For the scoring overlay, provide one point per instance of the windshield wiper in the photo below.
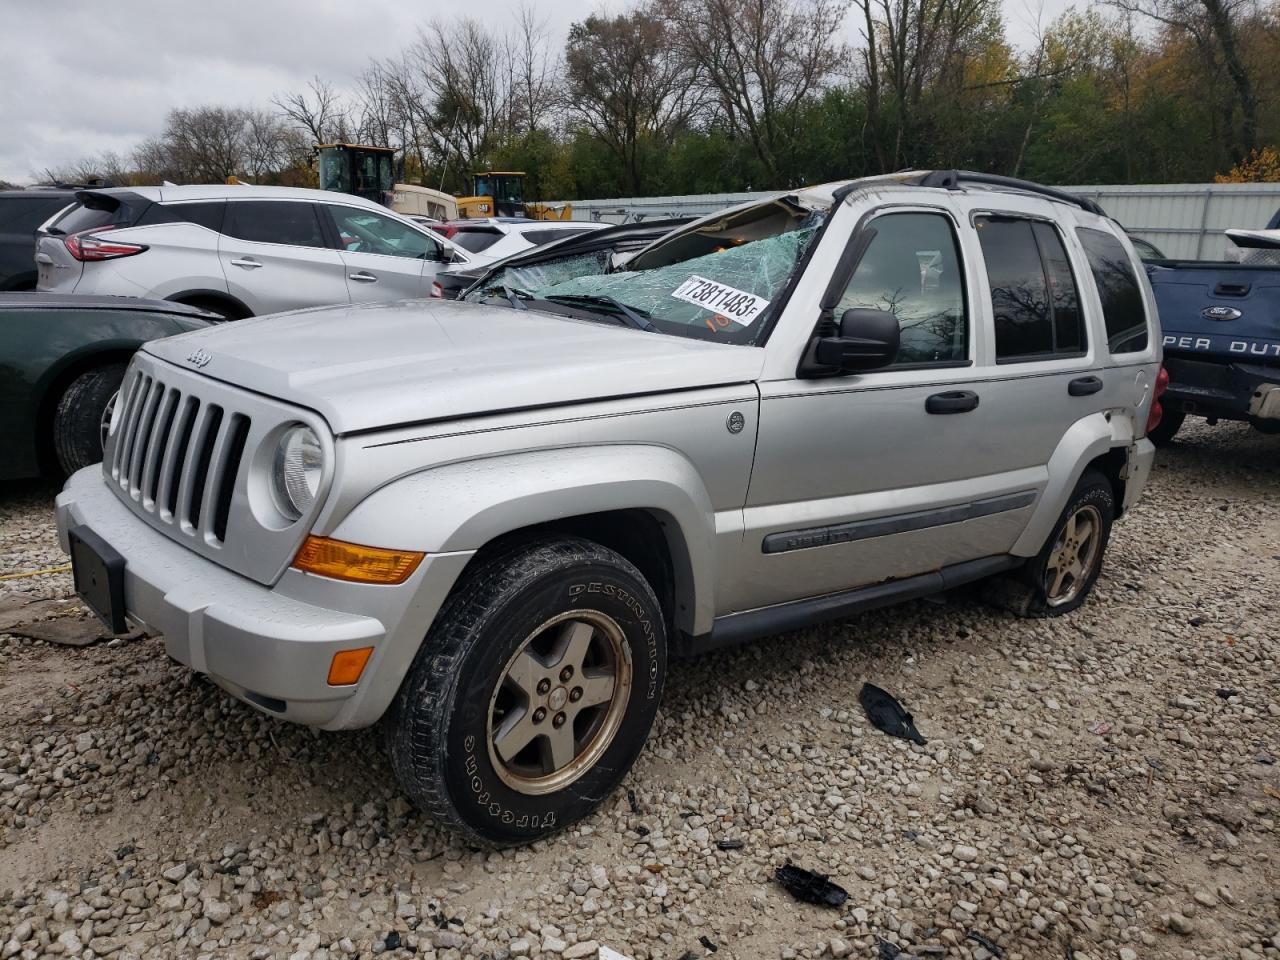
(632, 317)
(514, 297)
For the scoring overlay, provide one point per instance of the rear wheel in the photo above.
(83, 414)
(1060, 577)
(534, 692)
(1170, 423)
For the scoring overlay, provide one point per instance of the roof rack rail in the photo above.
(952, 179)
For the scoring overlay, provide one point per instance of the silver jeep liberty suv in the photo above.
(492, 522)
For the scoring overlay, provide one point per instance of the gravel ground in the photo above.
(1098, 786)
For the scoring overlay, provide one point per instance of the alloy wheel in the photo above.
(559, 702)
(1073, 556)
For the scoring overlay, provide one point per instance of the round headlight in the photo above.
(296, 471)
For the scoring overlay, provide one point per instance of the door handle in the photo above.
(247, 262)
(1226, 289)
(363, 277)
(953, 401)
(1083, 386)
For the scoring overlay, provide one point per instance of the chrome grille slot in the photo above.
(175, 457)
(228, 468)
(158, 447)
(128, 423)
(142, 435)
(207, 438)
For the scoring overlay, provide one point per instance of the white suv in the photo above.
(491, 239)
(238, 250)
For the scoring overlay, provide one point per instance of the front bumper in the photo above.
(263, 646)
(1230, 391)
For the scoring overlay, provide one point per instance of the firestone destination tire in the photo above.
(533, 693)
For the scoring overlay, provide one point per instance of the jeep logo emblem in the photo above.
(198, 357)
(1220, 313)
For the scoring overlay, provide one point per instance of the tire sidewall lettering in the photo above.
(480, 795)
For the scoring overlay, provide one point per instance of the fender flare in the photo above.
(1087, 439)
(462, 506)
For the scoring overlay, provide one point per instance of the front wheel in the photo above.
(533, 693)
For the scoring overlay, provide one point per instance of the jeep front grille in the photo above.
(189, 455)
(177, 456)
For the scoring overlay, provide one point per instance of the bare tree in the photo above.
(377, 110)
(318, 110)
(536, 70)
(107, 167)
(762, 58)
(913, 47)
(460, 79)
(206, 144)
(627, 83)
(265, 143)
(1214, 27)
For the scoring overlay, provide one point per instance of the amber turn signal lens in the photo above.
(347, 666)
(351, 561)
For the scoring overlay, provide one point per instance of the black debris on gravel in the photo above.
(887, 715)
(985, 942)
(809, 887)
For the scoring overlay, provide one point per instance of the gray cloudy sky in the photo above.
(78, 78)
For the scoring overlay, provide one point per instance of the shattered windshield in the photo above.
(716, 283)
(540, 276)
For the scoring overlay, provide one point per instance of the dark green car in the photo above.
(62, 358)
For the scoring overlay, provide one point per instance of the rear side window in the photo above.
(476, 240)
(1118, 287)
(203, 213)
(274, 221)
(25, 214)
(106, 213)
(1034, 300)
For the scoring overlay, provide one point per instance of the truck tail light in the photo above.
(84, 246)
(1157, 411)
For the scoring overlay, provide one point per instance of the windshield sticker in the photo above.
(723, 300)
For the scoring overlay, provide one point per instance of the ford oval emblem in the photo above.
(1220, 313)
(198, 357)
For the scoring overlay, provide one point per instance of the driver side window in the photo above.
(363, 231)
(912, 269)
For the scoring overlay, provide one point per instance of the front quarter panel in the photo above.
(459, 507)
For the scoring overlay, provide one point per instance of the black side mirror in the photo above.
(868, 340)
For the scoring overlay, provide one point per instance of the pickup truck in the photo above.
(1221, 323)
(487, 522)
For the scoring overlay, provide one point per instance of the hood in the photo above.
(378, 365)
